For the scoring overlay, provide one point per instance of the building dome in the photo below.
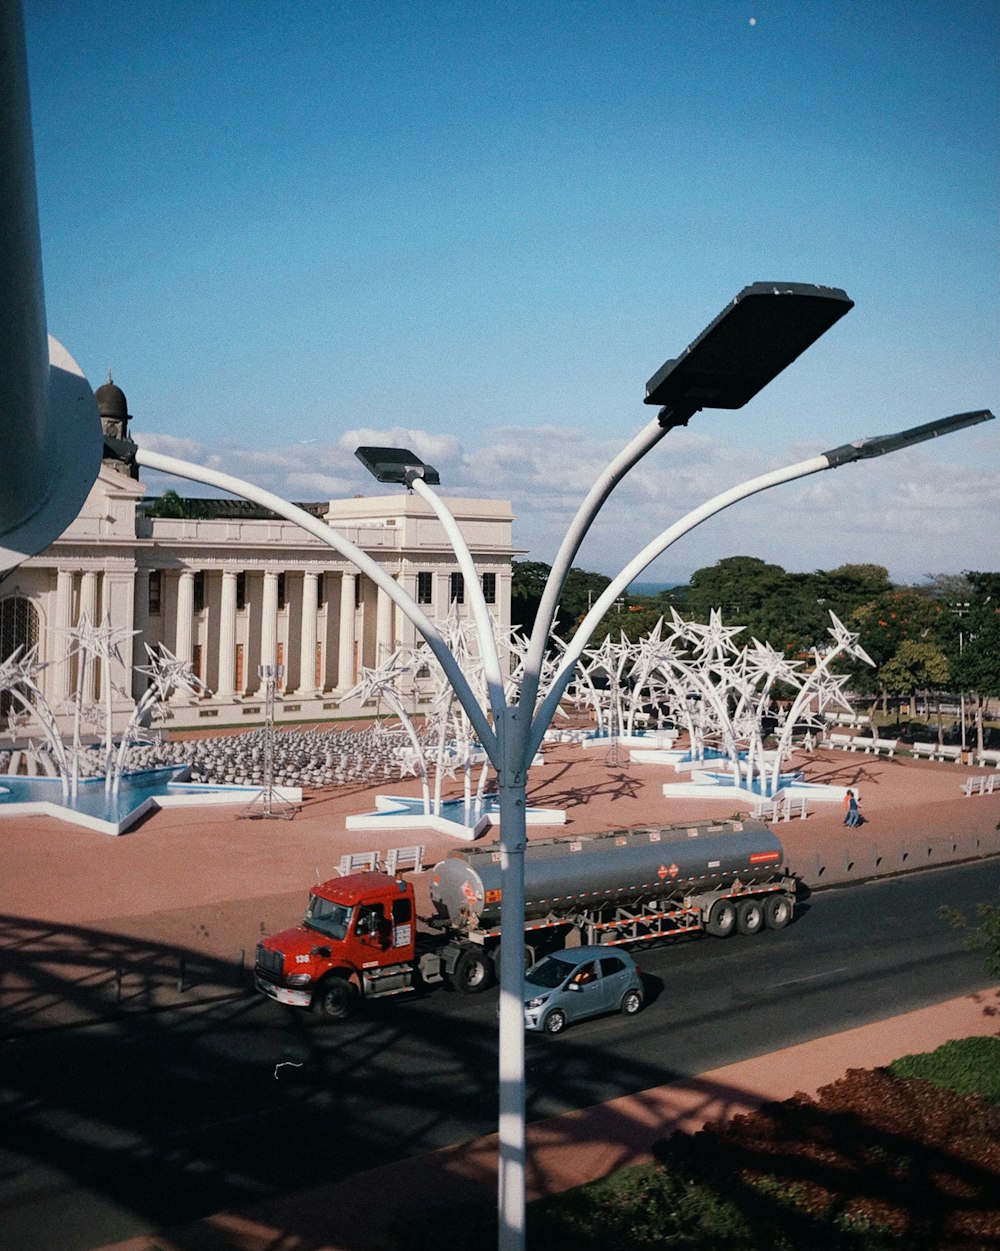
(111, 402)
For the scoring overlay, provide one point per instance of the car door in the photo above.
(615, 979)
(584, 999)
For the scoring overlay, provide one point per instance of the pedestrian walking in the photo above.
(851, 814)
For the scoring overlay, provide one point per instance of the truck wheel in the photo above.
(631, 1003)
(749, 916)
(721, 919)
(555, 1022)
(778, 911)
(336, 999)
(473, 972)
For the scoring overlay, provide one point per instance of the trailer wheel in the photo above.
(721, 919)
(749, 916)
(631, 1003)
(473, 971)
(555, 1022)
(778, 911)
(336, 999)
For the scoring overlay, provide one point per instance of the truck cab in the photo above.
(357, 937)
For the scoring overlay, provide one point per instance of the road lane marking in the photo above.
(795, 981)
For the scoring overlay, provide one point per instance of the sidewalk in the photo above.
(566, 1151)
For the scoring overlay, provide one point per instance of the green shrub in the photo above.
(969, 1066)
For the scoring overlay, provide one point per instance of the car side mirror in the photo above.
(574, 986)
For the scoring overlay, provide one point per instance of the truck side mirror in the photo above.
(323, 952)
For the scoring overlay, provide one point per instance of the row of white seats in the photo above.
(984, 785)
(859, 742)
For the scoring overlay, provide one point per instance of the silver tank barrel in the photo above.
(624, 865)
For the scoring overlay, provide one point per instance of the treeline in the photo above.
(943, 636)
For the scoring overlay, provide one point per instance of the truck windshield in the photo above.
(549, 973)
(329, 918)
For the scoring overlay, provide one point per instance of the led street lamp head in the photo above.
(879, 445)
(764, 328)
(396, 464)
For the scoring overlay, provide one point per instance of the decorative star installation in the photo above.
(719, 691)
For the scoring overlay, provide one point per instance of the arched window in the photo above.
(18, 628)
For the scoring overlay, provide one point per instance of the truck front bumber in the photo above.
(283, 994)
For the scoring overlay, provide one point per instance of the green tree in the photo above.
(983, 936)
(170, 504)
(736, 585)
(884, 624)
(528, 582)
(916, 665)
(972, 640)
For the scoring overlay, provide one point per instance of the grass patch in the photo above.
(970, 1066)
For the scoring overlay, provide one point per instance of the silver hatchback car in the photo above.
(578, 982)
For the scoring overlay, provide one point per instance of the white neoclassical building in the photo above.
(235, 588)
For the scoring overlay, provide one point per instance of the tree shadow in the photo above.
(136, 1119)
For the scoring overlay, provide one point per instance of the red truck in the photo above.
(359, 938)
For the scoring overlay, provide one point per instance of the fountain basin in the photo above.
(139, 793)
(403, 812)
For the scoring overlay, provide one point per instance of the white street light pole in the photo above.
(763, 329)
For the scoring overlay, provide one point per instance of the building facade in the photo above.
(233, 588)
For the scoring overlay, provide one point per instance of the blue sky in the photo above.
(290, 228)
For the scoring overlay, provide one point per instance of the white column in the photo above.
(119, 609)
(63, 623)
(307, 638)
(184, 629)
(269, 620)
(442, 595)
(184, 632)
(88, 606)
(345, 651)
(140, 620)
(227, 636)
(88, 596)
(384, 636)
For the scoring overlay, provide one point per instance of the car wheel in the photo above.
(631, 1003)
(336, 999)
(555, 1022)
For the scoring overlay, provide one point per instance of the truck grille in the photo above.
(270, 963)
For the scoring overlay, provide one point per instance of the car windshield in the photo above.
(550, 972)
(329, 918)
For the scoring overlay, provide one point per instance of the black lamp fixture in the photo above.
(396, 464)
(762, 330)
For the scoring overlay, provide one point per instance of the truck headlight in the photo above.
(298, 979)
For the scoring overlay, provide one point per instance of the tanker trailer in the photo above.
(359, 937)
(622, 887)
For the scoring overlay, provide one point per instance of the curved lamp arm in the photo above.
(477, 600)
(332, 538)
(860, 449)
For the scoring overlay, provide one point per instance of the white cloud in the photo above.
(916, 512)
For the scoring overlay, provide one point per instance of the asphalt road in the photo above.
(156, 1120)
